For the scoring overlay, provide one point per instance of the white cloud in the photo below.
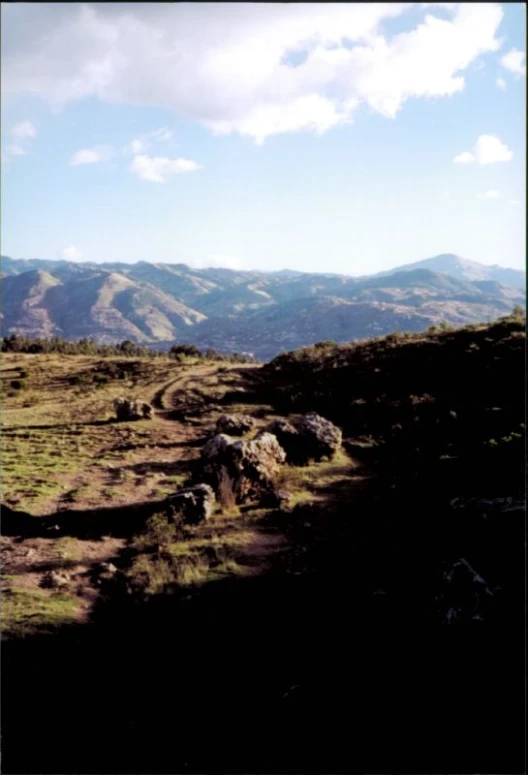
(488, 150)
(228, 66)
(464, 158)
(156, 168)
(72, 254)
(501, 83)
(24, 130)
(134, 147)
(142, 144)
(218, 261)
(514, 61)
(161, 134)
(22, 133)
(492, 194)
(514, 201)
(90, 155)
(16, 149)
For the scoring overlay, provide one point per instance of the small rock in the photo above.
(195, 504)
(56, 579)
(234, 424)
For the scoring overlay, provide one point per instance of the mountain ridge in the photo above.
(244, 310)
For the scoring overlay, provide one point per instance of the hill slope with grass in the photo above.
(382, 596)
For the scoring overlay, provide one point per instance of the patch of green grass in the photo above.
(300, 496)
(27, 612)
(153, 574)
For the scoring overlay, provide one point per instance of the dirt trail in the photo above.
(163, 398)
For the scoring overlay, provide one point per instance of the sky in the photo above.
(345, 138)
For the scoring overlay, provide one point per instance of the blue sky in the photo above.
(317, 138)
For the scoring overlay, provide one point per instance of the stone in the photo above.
(464, 595)
(248, 468)
(195, 504)
(127, 409)
(289, 438)
(311, 438)
(56, 579)
(320, 437)
(146, 410)
(276, 499)
(234, 424)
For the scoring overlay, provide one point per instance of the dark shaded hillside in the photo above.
(453, 399)
(303, 321)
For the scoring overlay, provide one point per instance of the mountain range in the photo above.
(264, 313)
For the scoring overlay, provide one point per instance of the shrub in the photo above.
(189, 350)
(159, 532)
(19, 384)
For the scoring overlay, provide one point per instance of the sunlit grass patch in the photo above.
(28, 612)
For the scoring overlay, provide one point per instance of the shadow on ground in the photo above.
(328, 662)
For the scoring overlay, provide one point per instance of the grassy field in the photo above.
(66, 462)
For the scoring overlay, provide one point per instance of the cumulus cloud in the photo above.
(21, 135)
(72, 254)
(90, 155)
(464, 158)
(501, 83)
(156, 168)
(255, 69)
(514, 61)
(492, 194)
(488, 150)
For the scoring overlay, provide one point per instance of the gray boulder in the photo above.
(320, 438)
(311, 438)
(195, 504)
(234, 424)
(248, 468)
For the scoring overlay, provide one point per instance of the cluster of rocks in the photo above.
(241, 470)
(128, 409)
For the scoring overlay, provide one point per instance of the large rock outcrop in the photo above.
(247, 469)
(128, 409)
(195, 504)
(234, 424)
(311, 438)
